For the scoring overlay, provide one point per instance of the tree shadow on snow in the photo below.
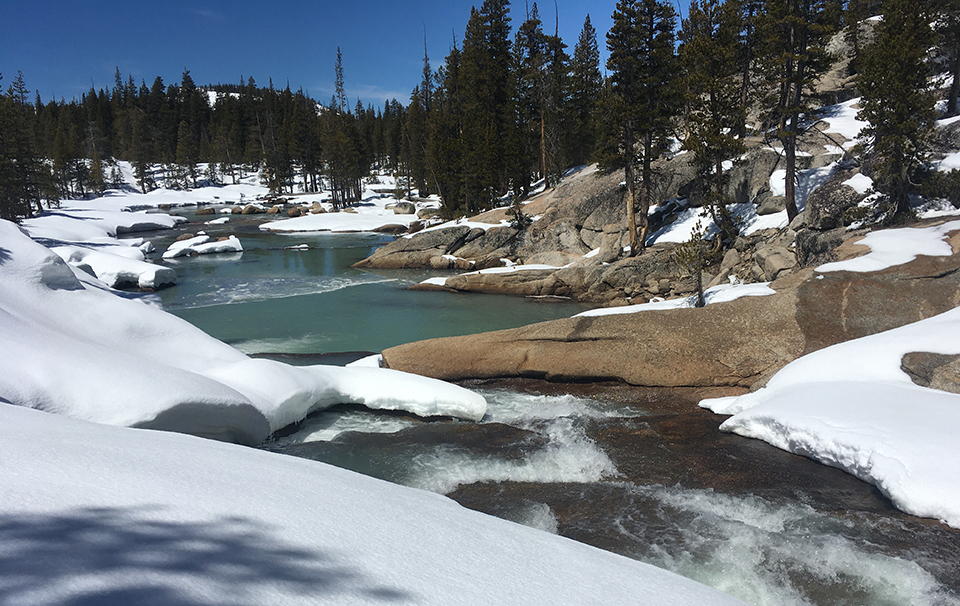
(4, 255)
(122, 556)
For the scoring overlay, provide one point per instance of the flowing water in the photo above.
(638, 472)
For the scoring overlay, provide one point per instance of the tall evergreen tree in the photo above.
(443, 137)
(20, 191)
(485, 96)
(186, 157)
(585, 85)
(709, 55)
(644, 72)
(948, 32)
(793, 57)
(895, 98)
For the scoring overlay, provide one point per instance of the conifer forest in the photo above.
(510, 105)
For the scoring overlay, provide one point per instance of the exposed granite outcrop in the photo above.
(739, 343)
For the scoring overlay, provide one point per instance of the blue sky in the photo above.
(64, 47)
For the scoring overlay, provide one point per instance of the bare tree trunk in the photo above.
(647, 191)
(790, 180)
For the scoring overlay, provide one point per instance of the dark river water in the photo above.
(640, 472)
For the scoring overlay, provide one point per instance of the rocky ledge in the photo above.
(738, 343)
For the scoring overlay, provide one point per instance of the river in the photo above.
(640, 472)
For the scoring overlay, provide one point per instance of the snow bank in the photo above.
(951, 162)
(202, 245)
(842, 119)
(860, 183)
(721, 293)
(87, 353)
(81, 225)
(852, 407)
(117, 266)
(113, 515)
(891, 247)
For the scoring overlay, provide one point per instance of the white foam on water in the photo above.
(535, 515)
(521, 409)
(783, 555)
(327, 425)
(569, 456)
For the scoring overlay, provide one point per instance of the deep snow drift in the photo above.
(70, 345)
(851, 406)
(91, 514)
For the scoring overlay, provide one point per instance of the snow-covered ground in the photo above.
(92, 514)
(851, 406)
(721, 293)
(70, 345)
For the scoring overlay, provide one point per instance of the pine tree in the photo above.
(340, 145)
(98, 179)
(948, 32)
(485, 96)
(585, 85)
(19, 174)
(709, 54)
(793, 57)
(22, 192)
(443, 138)
(644, 68)
(895, 99)
(186, 157)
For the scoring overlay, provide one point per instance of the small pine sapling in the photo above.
(695, 255)
(520, 219)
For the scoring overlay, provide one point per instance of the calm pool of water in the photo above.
(297, 293)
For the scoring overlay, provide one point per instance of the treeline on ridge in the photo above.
(505, 110)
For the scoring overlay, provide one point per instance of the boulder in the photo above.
(316, 208)
(937, 371)
(404, 208)
(827, 204)
(274, 210)
(237, 210)
(391, 228)
(815, 247)
(768, 204)
(773, 260)
(718, 345)
(252, 209)
(554, 259)
(612, 243)
(428, 213)
(186, 236)
(416, 251)
(202, 212)
(295, 212)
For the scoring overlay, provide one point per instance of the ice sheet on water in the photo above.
(225, 290)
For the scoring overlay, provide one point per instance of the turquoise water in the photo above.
(274, 298)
